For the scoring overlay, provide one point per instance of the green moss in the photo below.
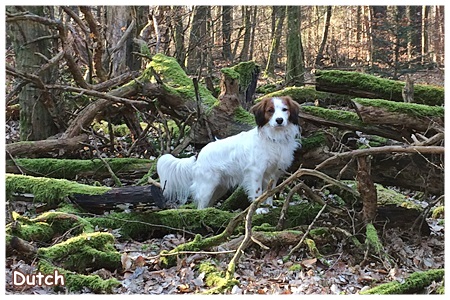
(48, 190)
(372, 239)
(244, 117)
(296, 268)
(334, 115)
(385, 88)
(245, 71)
(177, 82)
(70, 168)
(266, 227)
(313, 248)
(315, 140)
(413, 284)
(230, 72)
(77, 282)
(215, 278)
(305, 94)
(388, 196)
(438, 212)
(39, 231)
(413, 109)
(268, 88)
(90, 250)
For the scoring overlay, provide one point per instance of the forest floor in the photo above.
(260, 271)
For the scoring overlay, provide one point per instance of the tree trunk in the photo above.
(226, 32)
(253, 33)
(366, 189)
(178, 36)
(295, 66)
(32, 42)
(246, 11)
(197, 40)
(279, 12)
(326, 26)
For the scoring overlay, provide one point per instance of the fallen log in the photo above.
(131, 168)
(128, 197)
(368, 86)
(412, 116)
(45, 147)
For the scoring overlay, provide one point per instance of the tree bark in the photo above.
(226, 32)
(32, 42)
(43, 147)
(413, 117)
(279, 12)
(366, 189)
(319, 57)
(295, 66)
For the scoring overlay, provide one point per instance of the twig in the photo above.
(108, 167)
(284, 209)
(307, 231)
(248, 232)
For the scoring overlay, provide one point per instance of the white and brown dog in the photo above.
(249, 159)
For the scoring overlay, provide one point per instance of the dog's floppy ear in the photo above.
(259, 110)
(294, 109)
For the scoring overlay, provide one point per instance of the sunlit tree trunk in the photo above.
(279, 12)
(295, 65)
(247, 33)
(326, 26)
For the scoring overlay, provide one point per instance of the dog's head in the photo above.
(276, 111)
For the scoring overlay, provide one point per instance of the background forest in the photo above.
(95, 94)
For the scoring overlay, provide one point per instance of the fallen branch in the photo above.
(380, 150)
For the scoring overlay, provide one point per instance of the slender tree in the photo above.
(246, 12)
(295, 65)
(226, 32)
(326, 26)
(279, 12)
(178, 34)
(197, 39)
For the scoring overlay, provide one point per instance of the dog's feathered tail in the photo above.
(175, 176)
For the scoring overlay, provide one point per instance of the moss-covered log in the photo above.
(402, 115)
(415, 283)
(86, 251)
(309, 94)
(91, 198)
(131, 168)
(368, 86)
(48, 190)
(350, 121)
(79, 255)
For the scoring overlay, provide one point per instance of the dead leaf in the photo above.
(184, 288)
(126, 261)
(308, 263)
(140, 261)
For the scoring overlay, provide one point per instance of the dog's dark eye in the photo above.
(284, 109)
(271, 110)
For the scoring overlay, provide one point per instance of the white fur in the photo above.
(249, 159)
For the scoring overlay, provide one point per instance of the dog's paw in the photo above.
(262, 210)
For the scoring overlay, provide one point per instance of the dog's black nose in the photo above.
(279, 121)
